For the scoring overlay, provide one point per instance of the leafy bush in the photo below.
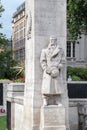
(77, 74)
(76, 78)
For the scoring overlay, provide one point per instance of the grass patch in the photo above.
(2, 122)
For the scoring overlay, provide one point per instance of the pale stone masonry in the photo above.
(48, 18)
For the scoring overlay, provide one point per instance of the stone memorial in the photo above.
(52, 111)
(45, 98)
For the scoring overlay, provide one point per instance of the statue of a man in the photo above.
(52, 60)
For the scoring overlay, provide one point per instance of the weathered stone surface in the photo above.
(15, 113)
(18, 116)
(48, 18)
(55, 128)
(16, 87)
(53, 117)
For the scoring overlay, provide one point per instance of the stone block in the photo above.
(53, 117)
(18, 87)
(55, 128)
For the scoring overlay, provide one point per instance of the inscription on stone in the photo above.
(48, 17)
(52, 116)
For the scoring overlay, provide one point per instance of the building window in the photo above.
(73, 49)
(16, 28)
(21, 34)
(70, 49)
(22, 54)
(21, 25)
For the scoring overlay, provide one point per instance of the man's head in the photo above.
(53, 41)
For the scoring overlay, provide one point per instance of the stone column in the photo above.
(48, 17)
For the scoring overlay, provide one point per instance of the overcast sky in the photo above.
(10, 7)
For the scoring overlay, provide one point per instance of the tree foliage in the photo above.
(6, 61)
(76, 18)
(3, 39)
(1, 10)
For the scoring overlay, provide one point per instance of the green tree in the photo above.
(6, 61)
(76, 18)
(1, 10)
(3, 39)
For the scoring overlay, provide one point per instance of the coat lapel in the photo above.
(56, 51)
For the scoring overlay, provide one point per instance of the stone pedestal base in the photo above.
(52, 118)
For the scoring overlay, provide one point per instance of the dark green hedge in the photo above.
(77, 74)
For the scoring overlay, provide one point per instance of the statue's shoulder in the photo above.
(44, 50)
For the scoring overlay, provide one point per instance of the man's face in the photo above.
(53, 43)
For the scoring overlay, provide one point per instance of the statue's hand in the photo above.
(55, 73)
(48, 70)
(60, 66)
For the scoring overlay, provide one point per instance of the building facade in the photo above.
(18, 34)
(76, 53)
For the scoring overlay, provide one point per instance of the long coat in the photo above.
(50, 85)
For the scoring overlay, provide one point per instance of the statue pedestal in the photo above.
(52, 118)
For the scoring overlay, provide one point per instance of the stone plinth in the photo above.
(53, 118)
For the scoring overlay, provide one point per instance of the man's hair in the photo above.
(53, 37)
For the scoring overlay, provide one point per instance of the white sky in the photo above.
(10, 7)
